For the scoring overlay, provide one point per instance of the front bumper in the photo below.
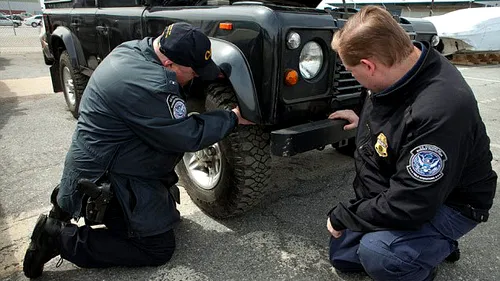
(301, 138)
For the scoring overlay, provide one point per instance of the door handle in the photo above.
(102, 29)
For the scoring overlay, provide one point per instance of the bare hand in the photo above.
(333, 232)
(241, 120)
(348, 115)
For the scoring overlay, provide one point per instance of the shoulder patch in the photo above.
(426, 163)
(176, 106)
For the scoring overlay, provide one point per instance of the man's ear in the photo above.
(167, 63)
(369, 65)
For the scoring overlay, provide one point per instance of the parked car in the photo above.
(47, 55)
(34, 21)
(5, 21)
(16, 19)
(24, 15)
(479, 33)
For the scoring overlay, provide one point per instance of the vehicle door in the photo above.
(38, 19)
(83, 25)
(4, 21)
(117, 21)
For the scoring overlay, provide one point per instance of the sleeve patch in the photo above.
(176, 106)
(426, 163)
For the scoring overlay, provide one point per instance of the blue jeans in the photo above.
(401, 255)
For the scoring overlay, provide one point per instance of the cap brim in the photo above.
(208, 72)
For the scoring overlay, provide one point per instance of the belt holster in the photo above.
(174, 192)
(98, 196)
(478, 215)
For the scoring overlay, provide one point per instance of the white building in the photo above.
(20, 6)
(413, 8)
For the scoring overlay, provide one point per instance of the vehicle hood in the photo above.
(300, 3)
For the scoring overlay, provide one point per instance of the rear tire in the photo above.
(243, 165)
(73, 82)
(46, 60)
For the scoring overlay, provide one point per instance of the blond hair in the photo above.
(372, 33)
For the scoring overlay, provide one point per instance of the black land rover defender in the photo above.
(279, 69)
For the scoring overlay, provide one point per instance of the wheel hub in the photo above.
(204, 166)
(69, 86)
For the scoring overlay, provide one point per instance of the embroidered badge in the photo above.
(381, 145)
(177, 107)
(426, 163)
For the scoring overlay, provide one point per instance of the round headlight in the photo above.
(435, 40)
(311, 60)
(293, 40)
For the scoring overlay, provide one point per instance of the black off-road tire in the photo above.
(46, 60)
(245, 165)
(79, 83)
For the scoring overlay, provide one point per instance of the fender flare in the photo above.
(236, 68)
(72, 45)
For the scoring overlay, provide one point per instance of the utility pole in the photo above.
(11, 18)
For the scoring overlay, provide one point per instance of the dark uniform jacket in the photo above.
(133, 121)
(420, 144)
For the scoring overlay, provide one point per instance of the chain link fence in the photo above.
(20, 26)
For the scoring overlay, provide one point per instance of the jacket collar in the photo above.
(146, 47)
(409, 80)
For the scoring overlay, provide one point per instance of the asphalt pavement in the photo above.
(284, 238)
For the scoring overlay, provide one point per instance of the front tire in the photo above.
(73, 82)
(231, 176)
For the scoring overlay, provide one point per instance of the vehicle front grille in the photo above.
(343, 81)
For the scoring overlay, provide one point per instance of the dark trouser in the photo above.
(111, 246)
(401, 255)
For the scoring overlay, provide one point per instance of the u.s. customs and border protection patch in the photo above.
(176, 106)
(381, 145)
(426, 163)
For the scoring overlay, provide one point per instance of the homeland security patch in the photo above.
(426, 163)
(176, 106)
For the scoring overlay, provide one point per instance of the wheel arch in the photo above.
(237, 70)
(62, 39)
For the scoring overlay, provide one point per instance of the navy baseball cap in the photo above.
(188, 46)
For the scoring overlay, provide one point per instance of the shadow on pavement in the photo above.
(7, 110)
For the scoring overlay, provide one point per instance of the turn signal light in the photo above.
(226, 26)
(291, 77)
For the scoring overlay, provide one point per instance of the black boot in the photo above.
(455, 255)
(56, 212)
(42, 247)
(433, 274)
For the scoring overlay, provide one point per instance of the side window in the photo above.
(84, 4)
(167, 3)
(118, 3)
